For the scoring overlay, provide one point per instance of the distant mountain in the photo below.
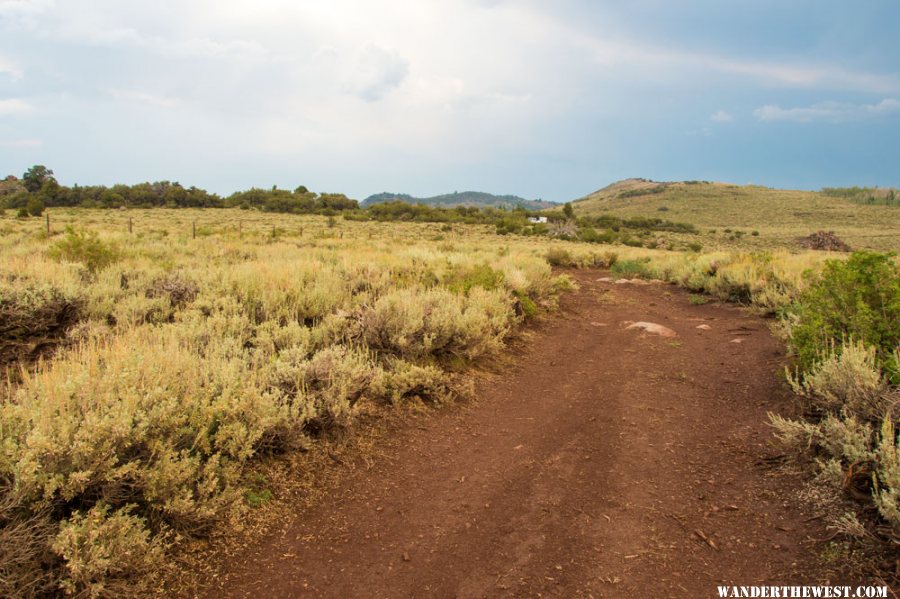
(461, 198)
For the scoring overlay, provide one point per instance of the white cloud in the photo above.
(834, 112)
(14, 106)
(721, 116)
(11, 69)
(611, 52)
(130, 95)
(377, 72)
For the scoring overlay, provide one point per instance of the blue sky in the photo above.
(540, 99)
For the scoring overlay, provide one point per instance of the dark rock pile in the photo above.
(824, 240)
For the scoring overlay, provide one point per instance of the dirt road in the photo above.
(606, 462)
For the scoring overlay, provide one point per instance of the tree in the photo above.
(35, 177)
(568, 211)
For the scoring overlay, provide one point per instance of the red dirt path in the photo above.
(605, 463)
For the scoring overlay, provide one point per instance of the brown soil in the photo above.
(605, 462)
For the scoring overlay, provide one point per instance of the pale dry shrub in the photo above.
(848, 525)
(768, 281)
(323, 390)
(283, 291)
(402, 381)
(845, 380)
(138, 419)
(174, 287)
(854, 438)
(529, 276)
(28, 566)
(887, 483)
(271, 339)
(108, 554)
(35, 310)
(436, 322)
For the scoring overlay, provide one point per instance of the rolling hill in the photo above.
(723, 211)
(462, 198)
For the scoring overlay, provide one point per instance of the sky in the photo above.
(544, 99)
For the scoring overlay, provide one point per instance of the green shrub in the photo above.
(85, 247)
(463, 279)
(858, 298)
(257, 493)
(632, 269)
(35, 206)
(695, 246)
(528, 307)
(559, 257)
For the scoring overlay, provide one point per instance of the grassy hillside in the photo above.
(462, 198)
(727, 215)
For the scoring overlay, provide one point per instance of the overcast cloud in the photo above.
(535, 98)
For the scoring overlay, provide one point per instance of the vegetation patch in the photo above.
(854, 299)
(85, 247)
(463, 279)
(559, 257)
(845, 329)
(632, 269)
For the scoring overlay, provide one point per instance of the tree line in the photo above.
(38, 189)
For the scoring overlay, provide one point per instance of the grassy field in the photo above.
(150, 371)
(727, 215)
(156, 358)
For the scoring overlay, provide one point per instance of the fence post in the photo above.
(48, 223)
(129, 224)
(194, 229)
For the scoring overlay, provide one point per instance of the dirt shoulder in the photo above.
(603, 462)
